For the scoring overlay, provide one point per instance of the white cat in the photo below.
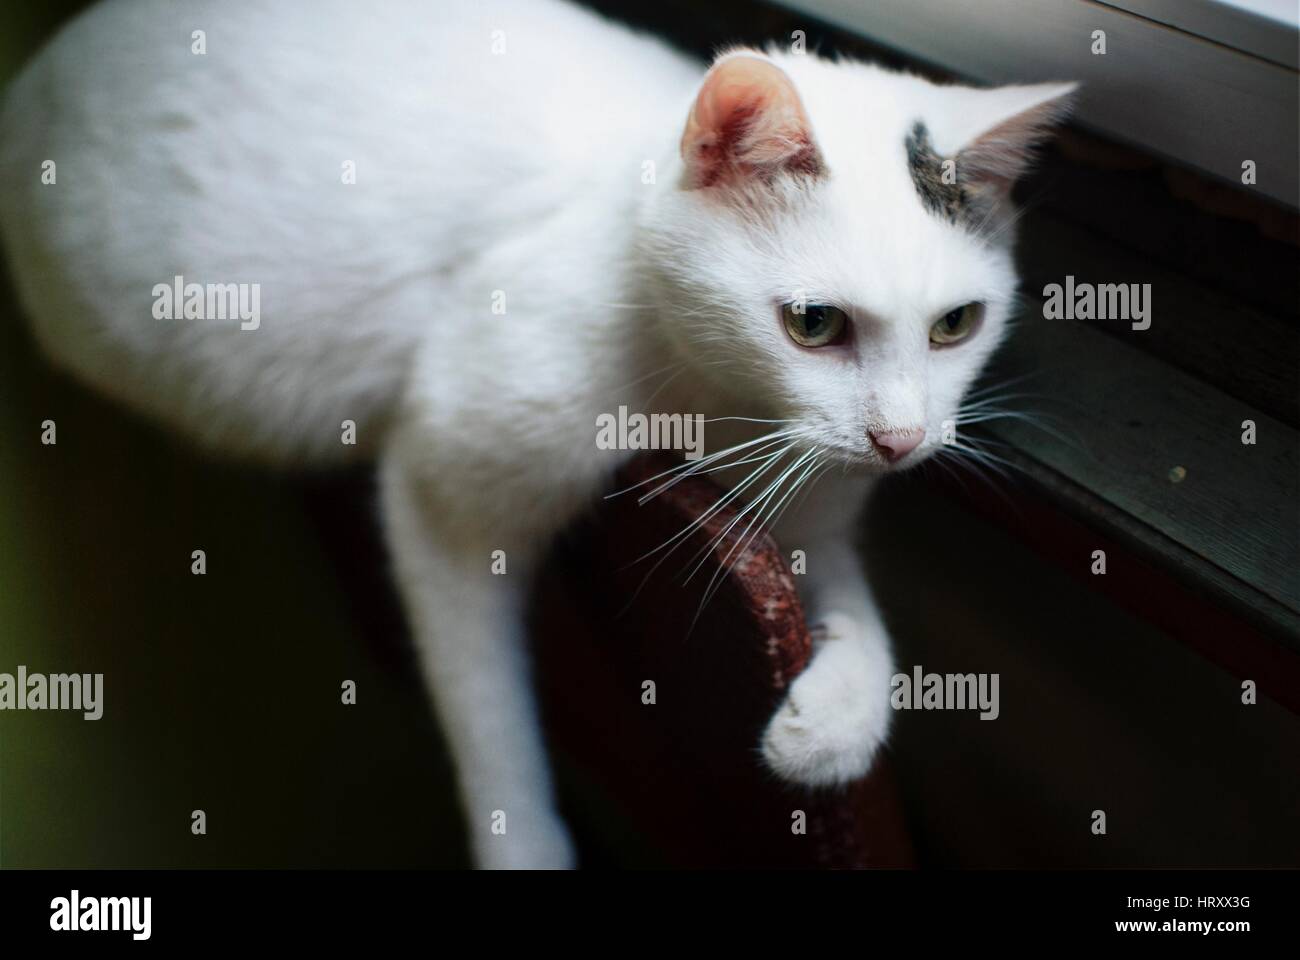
(475, 227)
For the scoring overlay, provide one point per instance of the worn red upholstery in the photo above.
(684, 772)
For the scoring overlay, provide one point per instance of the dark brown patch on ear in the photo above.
(942, 188)
(945, 199)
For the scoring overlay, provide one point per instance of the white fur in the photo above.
(480, 172)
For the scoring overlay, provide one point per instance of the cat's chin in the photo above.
(862, 464)
(867, 464)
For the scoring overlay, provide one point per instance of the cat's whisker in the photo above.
(984, 402)
(1039, 420)
(721, 535)
(757, 455)
(985, 458)
(757, 505)
(764, 518)
(775, 517)
(995, 399)
(723, 500)
(699, 466)
(984, 416)
(972, 463)
(989, 403)
(720, 504)
(754, 457)
(688, 465)
(943, 464)
(821, 471)
(1003, 384)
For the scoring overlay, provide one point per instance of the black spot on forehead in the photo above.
(940, 189)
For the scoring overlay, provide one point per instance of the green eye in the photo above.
(956, 325)
(814, 324)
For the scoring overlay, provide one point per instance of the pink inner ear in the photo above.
(747, 122)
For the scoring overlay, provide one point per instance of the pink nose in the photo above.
(896, 444)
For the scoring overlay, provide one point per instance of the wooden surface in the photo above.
(1128, 421)
(1243, 350)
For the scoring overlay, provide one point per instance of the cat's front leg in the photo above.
(467, 619)
(837, 712)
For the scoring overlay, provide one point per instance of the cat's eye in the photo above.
(956, 325)
(814, 324)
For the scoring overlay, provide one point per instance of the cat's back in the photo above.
(342, 157)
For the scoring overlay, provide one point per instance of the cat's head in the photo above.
(834, 246)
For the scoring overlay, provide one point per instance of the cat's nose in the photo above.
(894, 445)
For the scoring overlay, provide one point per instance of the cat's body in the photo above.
(227, 166)
(523, 250)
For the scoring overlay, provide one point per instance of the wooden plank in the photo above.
(1228, 620)
(1136, 202)
(1267, 31)
(1247, 354)
(1129, 421)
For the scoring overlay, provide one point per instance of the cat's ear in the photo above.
(747, 123)
(1003, 128)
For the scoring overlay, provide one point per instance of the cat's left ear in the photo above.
(747, 124)
(997, 135)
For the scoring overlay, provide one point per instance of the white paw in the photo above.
(837, 713)
(538, 845)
